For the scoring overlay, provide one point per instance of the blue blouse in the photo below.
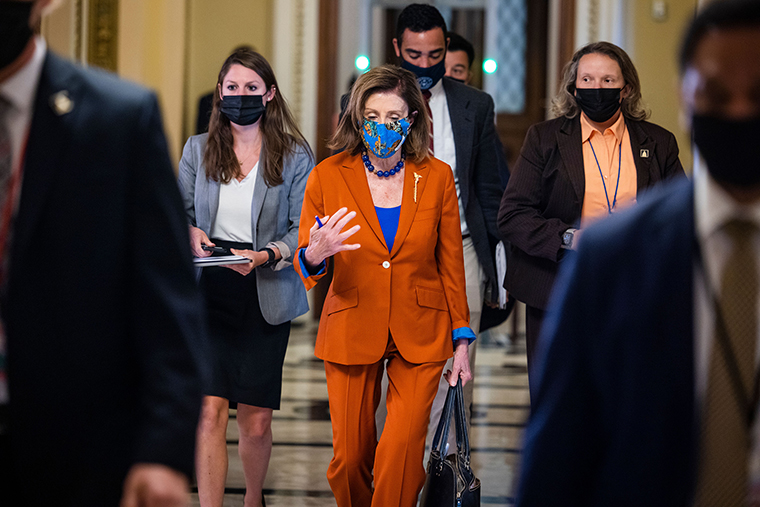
(388, 218)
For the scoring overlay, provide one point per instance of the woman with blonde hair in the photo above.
(397, 297)
(588, 162)
(242, 185)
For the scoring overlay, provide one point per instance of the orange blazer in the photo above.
(416, 291)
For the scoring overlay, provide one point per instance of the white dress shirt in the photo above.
(713, 208)
(20, 90)
(443, 139)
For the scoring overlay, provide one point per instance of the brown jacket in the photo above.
(544, 197)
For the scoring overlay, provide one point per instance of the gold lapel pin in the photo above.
(417, 178)
(644, 153)
(61, 103)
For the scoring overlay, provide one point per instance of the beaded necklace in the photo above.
(383, 174)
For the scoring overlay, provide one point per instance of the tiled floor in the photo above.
(302, 434)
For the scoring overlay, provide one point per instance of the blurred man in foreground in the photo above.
(101, 332)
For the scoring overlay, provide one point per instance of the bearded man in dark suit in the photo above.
(463, 136)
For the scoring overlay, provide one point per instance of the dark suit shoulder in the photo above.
(652, 129)
(461, 91)
(661, 212)
(542, 136)
(96, 83)
(554, 125)
(99, 97)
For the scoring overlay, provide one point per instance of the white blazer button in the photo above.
(386, 264)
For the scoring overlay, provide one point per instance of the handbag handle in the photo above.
(454, 404)
(442, 431)
(463, 440)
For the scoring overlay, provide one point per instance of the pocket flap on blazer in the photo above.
(426, 214)
(343, 300)
(431, 298)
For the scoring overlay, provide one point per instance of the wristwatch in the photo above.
(271, 259)
(567, 238)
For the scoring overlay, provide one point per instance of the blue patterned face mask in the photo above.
(384, 139)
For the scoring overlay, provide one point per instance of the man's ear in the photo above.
(397, 47)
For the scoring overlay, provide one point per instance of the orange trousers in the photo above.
(397, 459)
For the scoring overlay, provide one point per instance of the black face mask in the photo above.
(14, 30)
(243, 109)
(599, 104)
(427, 77)
(731, 148)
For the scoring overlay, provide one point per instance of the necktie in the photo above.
(5, 179)
(427, 95)
(725, 437)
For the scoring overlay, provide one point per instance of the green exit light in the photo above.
(489, 66)
(362, 63)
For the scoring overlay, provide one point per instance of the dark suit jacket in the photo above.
(205, 105)
(103, 317)
(613, 421)
(544, 197)
(472, 123)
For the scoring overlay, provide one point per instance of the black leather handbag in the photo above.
(450, 481)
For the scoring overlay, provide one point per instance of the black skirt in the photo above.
(248, 353)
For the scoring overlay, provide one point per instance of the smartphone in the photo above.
(215, 249)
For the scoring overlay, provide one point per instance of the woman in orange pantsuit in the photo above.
(398, 288)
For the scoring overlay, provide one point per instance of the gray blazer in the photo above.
(275, 213)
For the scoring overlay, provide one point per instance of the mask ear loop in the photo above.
(624, 98)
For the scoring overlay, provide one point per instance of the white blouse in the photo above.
(233, 216)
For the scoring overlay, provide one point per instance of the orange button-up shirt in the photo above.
(606, 146)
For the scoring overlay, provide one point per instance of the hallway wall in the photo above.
(151, 49)
(653, 43)
(177, 47)
(654, 48)
(214, 29)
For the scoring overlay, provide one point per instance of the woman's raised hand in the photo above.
(328, 240)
